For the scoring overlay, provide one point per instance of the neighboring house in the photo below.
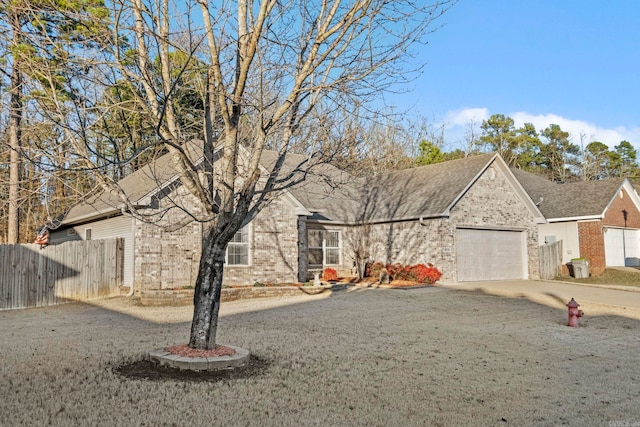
(598, 220)
(470, 217)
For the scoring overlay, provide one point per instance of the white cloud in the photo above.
(576, 128)
(455, 120)
(465, 116)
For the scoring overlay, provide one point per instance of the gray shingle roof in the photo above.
(322, 182)
(422, 191)
(327, 192)
(136, 186)
(334, 195)
(570, 200)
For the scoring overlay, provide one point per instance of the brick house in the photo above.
(598, 220)
(469, 217)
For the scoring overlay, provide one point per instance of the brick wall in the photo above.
(614, 216)
(169, 259)
(409, 242)
(274, 248)
(494, 202)
(591, 241)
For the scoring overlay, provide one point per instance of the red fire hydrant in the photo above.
(574, 313)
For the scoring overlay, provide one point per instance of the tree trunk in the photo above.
(361, 266)
(15, 123)
(206, 298)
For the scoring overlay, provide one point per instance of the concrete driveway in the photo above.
(592, 298)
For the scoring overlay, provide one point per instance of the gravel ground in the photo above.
(362, 357)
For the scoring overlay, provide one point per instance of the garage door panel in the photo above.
(621, 247)
(489, 255)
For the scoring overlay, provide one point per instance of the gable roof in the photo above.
(324, 181)
(326, 191)
(136, 186)
(575, 200)
(430, 191)
(330, 194)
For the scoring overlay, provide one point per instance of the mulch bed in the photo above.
(147, 370)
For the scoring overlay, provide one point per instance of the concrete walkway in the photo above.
(558, 293)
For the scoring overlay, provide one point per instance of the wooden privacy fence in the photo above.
(550, 260)
(71, 271)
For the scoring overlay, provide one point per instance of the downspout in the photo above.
(130, 293)
(133, 265)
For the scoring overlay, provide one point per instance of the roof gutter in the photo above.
(576, 218)
(422, 218)
(92, 216)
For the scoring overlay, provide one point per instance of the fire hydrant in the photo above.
(574, 313)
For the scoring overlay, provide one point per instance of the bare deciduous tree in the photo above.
(272, 72)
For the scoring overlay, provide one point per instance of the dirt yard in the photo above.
(361, 357)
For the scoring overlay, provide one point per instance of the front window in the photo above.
(324, 247)
(315, 247)
(238, 248)
(332, 247)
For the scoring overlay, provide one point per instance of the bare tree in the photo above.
(359, 240)
(471, 137)
(273, 71)
(15, 127)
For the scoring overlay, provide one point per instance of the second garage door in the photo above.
(622, 247)
(489, 255)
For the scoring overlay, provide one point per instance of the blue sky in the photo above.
(569, 62)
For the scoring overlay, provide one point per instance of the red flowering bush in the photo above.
(426, 273)
(329, 275)
(414, 273)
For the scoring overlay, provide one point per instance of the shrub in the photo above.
(415, 273)
(329, 275)
(373, 269)
(426, 273)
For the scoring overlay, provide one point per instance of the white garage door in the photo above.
(621, 247)
(489, 255)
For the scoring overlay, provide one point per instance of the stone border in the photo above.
(163, 358)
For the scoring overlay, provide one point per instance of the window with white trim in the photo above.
(324, 247)
(238, 248)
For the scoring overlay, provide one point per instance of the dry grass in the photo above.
(611, 276)
(369, 357)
